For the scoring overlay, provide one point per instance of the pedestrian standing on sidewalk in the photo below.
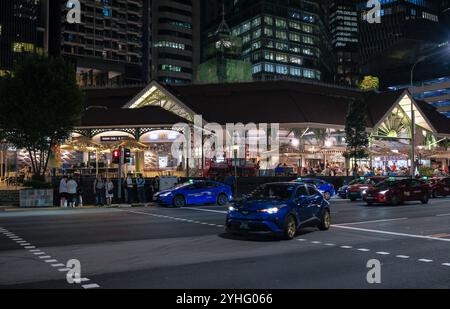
(109, 191)
(99, 190)
(140, 184)
(129, 184)
(80, 192)
(63, 192)
(72, 191)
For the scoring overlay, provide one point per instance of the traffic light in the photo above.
(116, 156)
(127, 155)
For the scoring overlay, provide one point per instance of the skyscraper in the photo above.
(407, 29)
(23, 30)
(283, 39)
(176, 40)
(345, 40)
(110, 46)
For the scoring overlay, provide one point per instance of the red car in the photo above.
(355, 191)
(439, 187)
(394, 192)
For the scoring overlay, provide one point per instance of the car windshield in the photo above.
(386, 184)
(273, 191)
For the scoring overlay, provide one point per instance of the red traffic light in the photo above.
(116, 153)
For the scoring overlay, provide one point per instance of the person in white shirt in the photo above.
(72, 187)
(63, 191)
(109, 191)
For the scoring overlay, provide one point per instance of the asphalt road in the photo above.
(187, 248)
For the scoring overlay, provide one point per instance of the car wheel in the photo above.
(290, 228)
(327, 195)
(325, 221)
(179, 201)
(434, 194)
(425, 199)
(222, 200)
(395, 200)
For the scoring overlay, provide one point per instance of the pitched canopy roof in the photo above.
(284, 102)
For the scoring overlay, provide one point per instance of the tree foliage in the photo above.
(357, 138)
(40, 103)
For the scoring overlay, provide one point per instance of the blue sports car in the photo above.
(195, 193)
(327, 189)
(280, 209)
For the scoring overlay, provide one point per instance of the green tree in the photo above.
(356, 136)
(40, 103)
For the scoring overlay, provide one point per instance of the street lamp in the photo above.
(413, 120)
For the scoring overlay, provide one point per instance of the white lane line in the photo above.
(330, 244)
(85, 279)
(374, 221)
(316, 242)
(442, 215)
(35, 250)
(346, 247)
(21, 241)
(63, 269)
(58, 265)
(389, 233)
(39, 253)
(51, 261)
(445, 264)
(25, 244)
(90, 286)
(206, 210)
(363, 250)
(382, 253)
(425, 260)
(402, 256)
(45, 257)
(302, 239)
(30, 247)
(173, 218)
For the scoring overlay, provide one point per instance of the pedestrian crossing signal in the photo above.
(116, 156)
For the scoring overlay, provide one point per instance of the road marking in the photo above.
(402, 256)
(382, 253)
(63, 269)
(25, 244)
(51, 261)
(45, 257)
(90, 286)
(30, 247)
(206, 210)
(35, 250)
(39, 253)
(445, 264)
(85, 279)
(425, 260)
(58, 265)
(374, 221)
(329, 244)
(442, 215)
(363, 250)
(301, 239)
(346, 247)
(316, 242)
(389, 233)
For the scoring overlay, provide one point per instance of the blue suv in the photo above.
(326, 188)
(280, 209)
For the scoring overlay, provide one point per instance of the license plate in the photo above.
(244, 226)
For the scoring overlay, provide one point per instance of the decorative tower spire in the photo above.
(223, 27)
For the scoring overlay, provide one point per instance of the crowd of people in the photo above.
(105, 190)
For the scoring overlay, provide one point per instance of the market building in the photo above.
(310, 116)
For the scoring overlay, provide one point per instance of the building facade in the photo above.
(345, 39)
(407, 29)
(111, 44)
(284, 39)
(175, 40)
(23, 30)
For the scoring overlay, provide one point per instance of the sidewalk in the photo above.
(24, 209)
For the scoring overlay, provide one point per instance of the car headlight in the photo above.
(364, 192)
(272, 210)
(165, 194)
(231, 208)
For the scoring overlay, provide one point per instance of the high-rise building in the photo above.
(282, 39)
(111, 44)
(345, 39)
(23, 30)
(175, 40)
(406, 30)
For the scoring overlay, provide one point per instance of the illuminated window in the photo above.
(19, 47)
